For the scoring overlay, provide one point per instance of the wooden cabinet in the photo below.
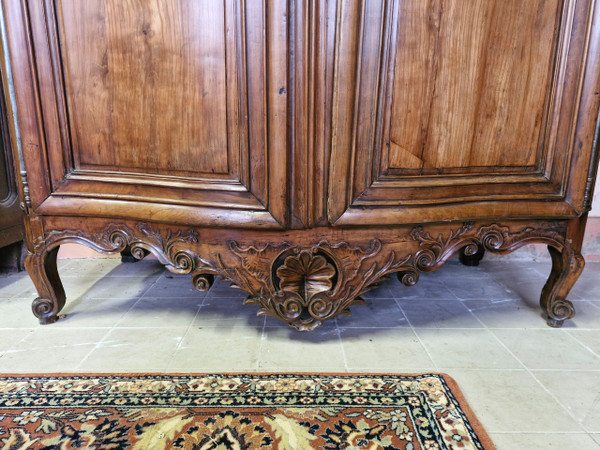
(12, 231)
(305, 149)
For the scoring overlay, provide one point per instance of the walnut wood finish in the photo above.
(456, 110)
(304, 149)
(567, 265)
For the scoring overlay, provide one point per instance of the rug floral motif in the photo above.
(281, 411)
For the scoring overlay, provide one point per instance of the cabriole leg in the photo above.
(567, 265)
(42, 270)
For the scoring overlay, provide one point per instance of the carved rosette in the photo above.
(298, 281)
(304, 286)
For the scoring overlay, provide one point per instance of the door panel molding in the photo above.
(255, 174)
(361, 175)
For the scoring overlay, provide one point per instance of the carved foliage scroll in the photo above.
(304, 285)
(169, 249)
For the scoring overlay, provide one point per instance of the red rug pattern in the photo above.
(284, 411)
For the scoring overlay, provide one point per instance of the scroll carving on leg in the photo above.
(305, 285)
(203, 281)
(567, 265)
(41, 267)
(41, 263)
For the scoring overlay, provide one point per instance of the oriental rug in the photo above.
(234, 411)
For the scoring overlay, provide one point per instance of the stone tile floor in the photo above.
(531, 386)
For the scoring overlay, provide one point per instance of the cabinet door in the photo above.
(459, 109)
(171, 110)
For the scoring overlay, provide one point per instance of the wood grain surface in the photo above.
(122, 60)
(472, 80)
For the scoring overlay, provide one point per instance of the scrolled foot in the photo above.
(203, 281)
(555, 323)
(560, 311)
(471, 255)
(129, 256)
(44, 274)
(408, 277)
(45, 310)
(567, 265)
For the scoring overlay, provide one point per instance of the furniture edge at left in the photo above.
(12, 228)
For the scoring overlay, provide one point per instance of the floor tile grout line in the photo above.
(410, 325)
(204, 299)
(423, 346)
(471, 369)
(134, 303)
(489, 332)
(343, 349)
(595, 406)
(544, 388)
(568, 332)
(451, 291)
(542, 327)
(412, 328)
(18, 296)
(143, 294)
(10, 351)
(114, 326)
(261, 342)
(31, 330)
(476, 316)
(78, 367)
(122, 316)
(593, 304)
(483, 325)
(568, 370)
(483, 369)
(187, 330)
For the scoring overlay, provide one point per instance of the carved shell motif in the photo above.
(306, 274)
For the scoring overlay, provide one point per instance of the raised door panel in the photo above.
(166, 109)
(471, 82)
(456, 110)
(152, 78)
